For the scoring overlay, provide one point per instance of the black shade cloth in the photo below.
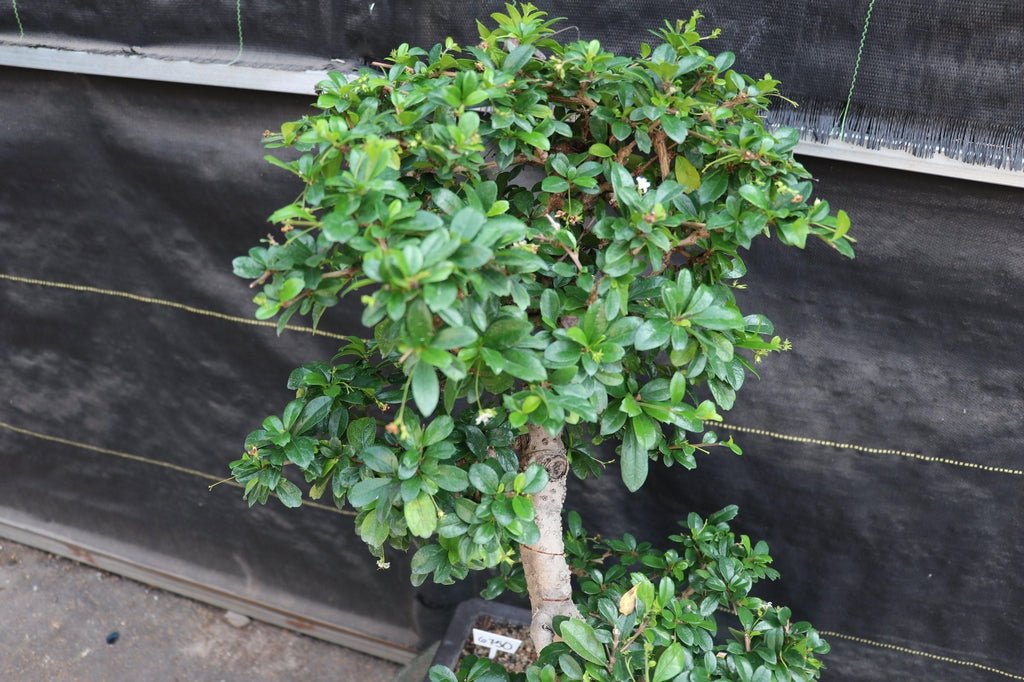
(153, 188)
(934, 76)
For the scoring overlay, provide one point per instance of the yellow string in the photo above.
(241, 41)
(308, 330)
(903, 649)
(925, 654)
(170, 304)
(872, 451)
(856, 70)
(17, 17)
(152, 462)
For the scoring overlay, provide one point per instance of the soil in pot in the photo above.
(516, 662)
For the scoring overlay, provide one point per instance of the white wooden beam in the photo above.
(905, 161)
(303, 83)
(165, 70)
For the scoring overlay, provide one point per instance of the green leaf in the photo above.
(645, 430)
(288, 493)
(536, 140)
(689, 63)
(534, 479)
(301, 452)
(842, 225)
(671, 663)
(291, 413)
(713, 185)
(601, 151)
(247, 267)
(421, 515)
(273, 424)
(362, 432)
(623, 183)
(795, 232)
(339, 228)
(472, 256)
(379, 458)
(440, 673)
(454, 337)
(723, 394)
(467, 222)
(550, 306)
(578, 335)
(268, 310)
(563, 353)
(755, 195)
(571, 667)
(623, 330)
(652, 334)
(719, 318)
(366, 491)
(484, 478)
(428, 558)
(436, 357)
(506, 332)
(290, 212)
(686, 174)
(446, 200)
(634, 462)
(675, 128)
(422, 221)
(554, 184)
(580, 637)
(844, 247)
(312, 414)
(524, 365)
(419, 322)
(677, 387)
(522, 507)
(517, 58)
(438, 430)
(372, 531)
(291, 288)
(706, 412)
(494, 359)
(451, 478)
(425, 388)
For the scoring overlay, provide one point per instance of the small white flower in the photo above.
(642, 185)
(382, 564)
(485, 416)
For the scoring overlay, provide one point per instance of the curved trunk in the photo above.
(547, 573)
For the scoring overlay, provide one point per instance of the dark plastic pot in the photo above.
(461, 628)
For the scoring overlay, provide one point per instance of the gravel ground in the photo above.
(56, 616)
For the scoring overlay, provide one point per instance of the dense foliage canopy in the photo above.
(541, 233)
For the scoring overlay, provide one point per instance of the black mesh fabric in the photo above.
(153, 188)
(934, 76)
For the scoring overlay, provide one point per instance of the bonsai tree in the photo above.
(546, 241)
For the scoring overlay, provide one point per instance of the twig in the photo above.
(659, 148)
(593, 290)
(624, 152)
(262, 278)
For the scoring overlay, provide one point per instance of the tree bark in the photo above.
(548, 580)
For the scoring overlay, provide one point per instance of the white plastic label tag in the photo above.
(495, 643)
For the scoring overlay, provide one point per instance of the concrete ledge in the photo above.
(107, 559)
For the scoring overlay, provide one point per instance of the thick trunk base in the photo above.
(548, 579)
